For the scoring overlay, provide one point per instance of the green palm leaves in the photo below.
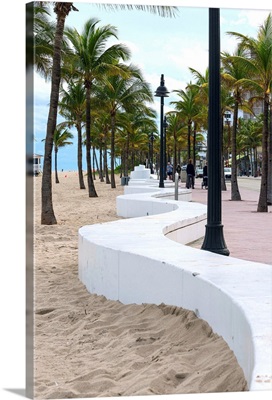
(92, 61)
(257, 64)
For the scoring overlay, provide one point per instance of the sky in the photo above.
(158, 46)
(13, 179)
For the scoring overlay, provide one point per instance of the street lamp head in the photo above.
(162, 90)
(227, 115)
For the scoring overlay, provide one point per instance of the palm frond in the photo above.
(163, 11)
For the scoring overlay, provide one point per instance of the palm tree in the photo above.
(258, 66)
(93, 61)
(189, 110)
(233, 72)
(226, 106)
(250, 135)
(44, 31)
(133, 135)
(269, 184)
(202, 85)
(72, 108)
(62, 10)
(47, 215)
(61, 136)
(177, 131)
(124, 93)
(61, 139)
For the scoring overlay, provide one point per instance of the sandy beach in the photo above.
(88, 346)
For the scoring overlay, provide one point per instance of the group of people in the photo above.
(190, 171)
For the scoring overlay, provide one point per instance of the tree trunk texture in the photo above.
(235, 194)
(56, 166)
(92, 191)
(47, 213)
(79, 157)
(262, 203)
(269, 183)
(113, 185)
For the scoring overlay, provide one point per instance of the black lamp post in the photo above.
(161, 92)
(214, 238)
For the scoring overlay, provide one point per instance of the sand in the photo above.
(88, 346)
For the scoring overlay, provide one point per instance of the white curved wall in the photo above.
(133, 261)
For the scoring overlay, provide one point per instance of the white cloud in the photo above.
(253, 18)
(42, 88)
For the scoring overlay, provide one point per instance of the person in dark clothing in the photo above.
(190, 170)
(205, 176)
(169, 170)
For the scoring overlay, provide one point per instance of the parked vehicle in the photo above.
(227, 173)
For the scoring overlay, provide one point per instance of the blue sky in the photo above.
(158, 45)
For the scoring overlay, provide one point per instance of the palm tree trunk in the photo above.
(106, 165)
(56, 165)
(189, 141)
(126, 156)
(235, 194)
(194, 144)
(101, 176)
(113, 185)
(47, 213)
(96, 162)
(92, 191)
(223, 180)
(79, 157)
(269, 183)
(94, 175)
(262, 204)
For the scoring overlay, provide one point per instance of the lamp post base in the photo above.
(214, 240)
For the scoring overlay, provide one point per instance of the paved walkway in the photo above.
(248, 234)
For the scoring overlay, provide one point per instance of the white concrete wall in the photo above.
(134, 261)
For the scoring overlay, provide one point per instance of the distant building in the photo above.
(257, 107)
(37, 165)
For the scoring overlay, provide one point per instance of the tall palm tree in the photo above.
(250, 135)
(232, 73)
(124, 93)
(47, 214)
(269, 184)
(189, 110)
(177, 131)
(93, 61)
(62, 10)
(133, 134)
(61, 139)
(202, 85)
(72, 108)
(227, 103)
(258, 66)
(44, 31)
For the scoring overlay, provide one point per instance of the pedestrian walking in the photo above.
(205, 177)
(169, 170)
(190, 170)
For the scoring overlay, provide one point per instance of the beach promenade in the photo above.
(247, 233)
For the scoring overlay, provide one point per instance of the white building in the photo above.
(37, 166)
